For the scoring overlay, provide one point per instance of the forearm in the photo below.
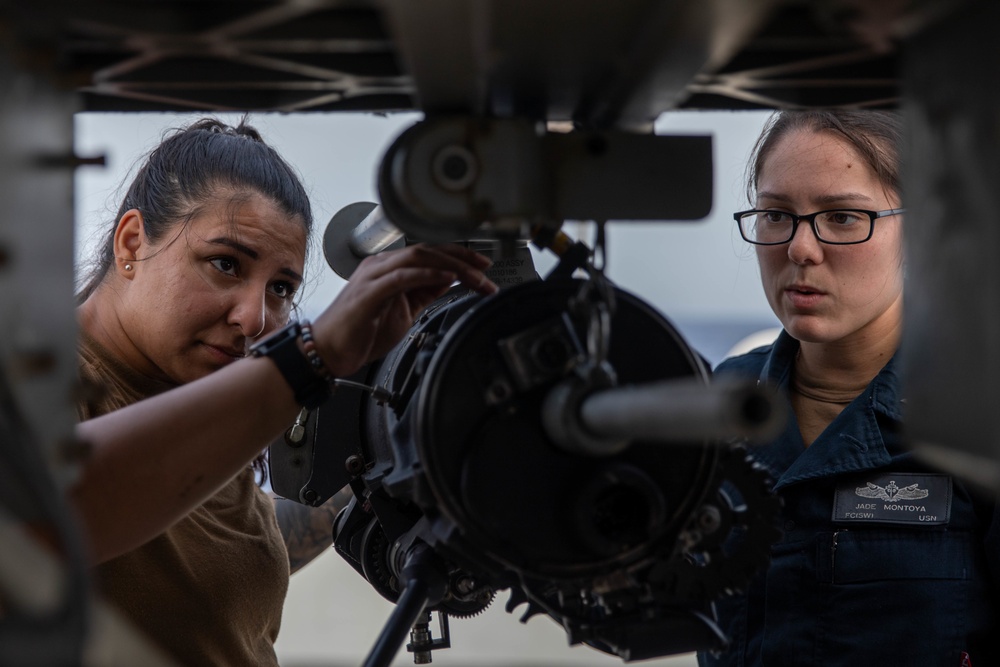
(153, 462)
(308, 531)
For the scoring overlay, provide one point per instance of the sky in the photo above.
(699, 274)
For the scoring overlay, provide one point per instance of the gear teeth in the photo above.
(720, 574)
(469, 613)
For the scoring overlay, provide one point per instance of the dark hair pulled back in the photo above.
(189, 167)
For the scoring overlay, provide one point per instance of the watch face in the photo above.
(264, 347)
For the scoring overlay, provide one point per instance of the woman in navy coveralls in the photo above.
(884, 561)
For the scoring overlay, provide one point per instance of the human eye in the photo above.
(226, 265)
(283, 289)
(843, 218)
(774, 217)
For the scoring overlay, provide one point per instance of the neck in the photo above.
(98, 317)
(851, 362)
(828, 376)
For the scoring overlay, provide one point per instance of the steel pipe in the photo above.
(672, 411)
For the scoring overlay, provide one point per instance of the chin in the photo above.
(807, 330)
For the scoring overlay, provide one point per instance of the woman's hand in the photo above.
(385, 295)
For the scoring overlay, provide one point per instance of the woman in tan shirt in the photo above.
(204, 259)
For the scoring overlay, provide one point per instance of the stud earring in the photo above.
(128, 267)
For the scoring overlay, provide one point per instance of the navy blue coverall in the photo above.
(883, 561)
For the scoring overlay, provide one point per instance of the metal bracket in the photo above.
(457, 178)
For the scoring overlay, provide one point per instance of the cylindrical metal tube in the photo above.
(409, 607)
(355, 232)
(685, 410)
(373, 234)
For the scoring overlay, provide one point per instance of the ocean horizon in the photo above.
(714, 339)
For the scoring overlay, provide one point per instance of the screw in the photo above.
(355, 464)
(465, 585)
(498, 392)
(709, 520)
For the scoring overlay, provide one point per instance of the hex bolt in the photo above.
(355, 464)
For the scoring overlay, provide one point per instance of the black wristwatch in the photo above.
(282, 348)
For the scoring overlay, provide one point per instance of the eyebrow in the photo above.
(823, 199)
(251, 253)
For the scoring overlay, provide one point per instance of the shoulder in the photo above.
(107, 383)
(91, 378)
(750, 363)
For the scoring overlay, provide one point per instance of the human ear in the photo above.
(129, 237)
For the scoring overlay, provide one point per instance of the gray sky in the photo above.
(692, 272)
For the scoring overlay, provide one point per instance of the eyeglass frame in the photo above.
(811, 219)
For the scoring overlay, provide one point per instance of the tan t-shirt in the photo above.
(210, 589)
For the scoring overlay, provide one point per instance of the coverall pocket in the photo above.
(857, 556)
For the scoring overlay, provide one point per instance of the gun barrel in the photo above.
(681, 411)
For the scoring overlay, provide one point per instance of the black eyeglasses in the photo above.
(841, 226)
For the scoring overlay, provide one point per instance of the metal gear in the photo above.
(457, 608)
(375, 567)
(712, 566)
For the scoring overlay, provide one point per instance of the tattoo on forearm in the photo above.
(308, 531)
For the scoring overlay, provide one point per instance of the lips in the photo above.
(804, 296)
(225, 353)
(804, 289)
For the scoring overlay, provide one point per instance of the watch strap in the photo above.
(282, 347)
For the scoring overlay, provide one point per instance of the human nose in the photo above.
(805, 247)
(249, 312)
